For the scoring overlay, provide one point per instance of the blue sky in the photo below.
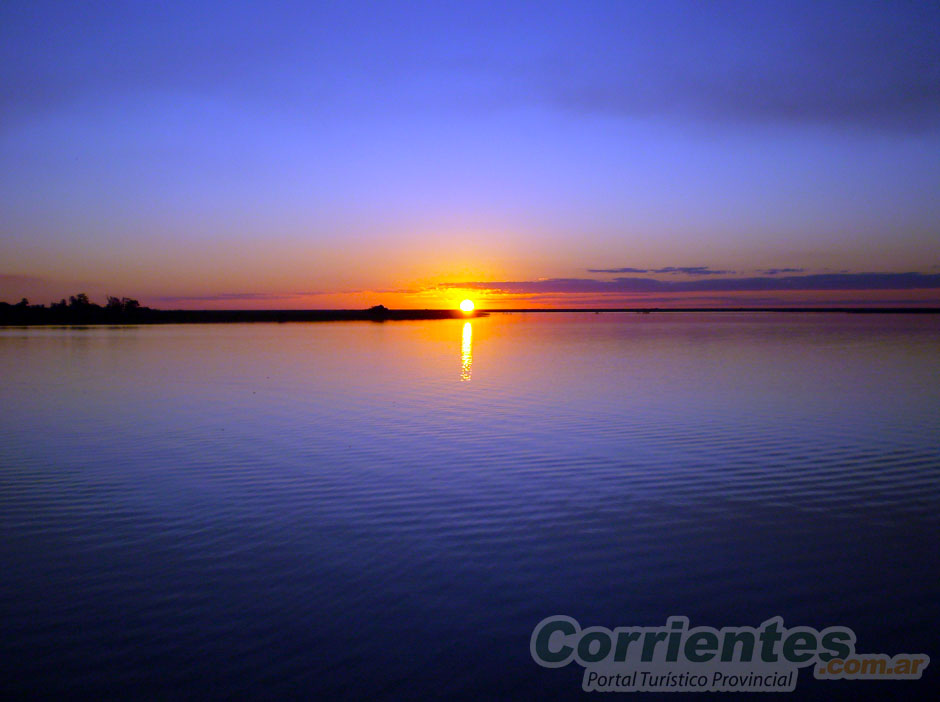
(353, 152)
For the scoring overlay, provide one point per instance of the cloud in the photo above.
(15, 279)
(617, 270)
(778, 271)
(690, 270)
(872, 64)
(773, 63)
(831, 281)
(38, 289)
(223, 297)
(672, 270)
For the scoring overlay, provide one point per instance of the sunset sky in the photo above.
(344, 154)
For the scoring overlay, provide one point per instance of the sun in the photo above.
(467, 305)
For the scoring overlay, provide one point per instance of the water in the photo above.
(385, 511)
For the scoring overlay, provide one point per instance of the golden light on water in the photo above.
(467, 305)
(466, 351)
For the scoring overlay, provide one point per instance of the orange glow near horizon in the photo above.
(437, 298)
(420, 295)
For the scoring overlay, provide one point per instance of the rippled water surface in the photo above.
(374, 511)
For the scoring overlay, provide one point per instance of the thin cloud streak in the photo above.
(618, 270)
(222, 297)
(669, 270)
(690, 270)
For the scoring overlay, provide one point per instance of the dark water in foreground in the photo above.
(384, 511)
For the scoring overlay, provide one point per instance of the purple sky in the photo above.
(343, 154)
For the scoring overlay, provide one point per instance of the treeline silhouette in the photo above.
(78, 309)
(124, 310)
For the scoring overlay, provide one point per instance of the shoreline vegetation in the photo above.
(79, 310)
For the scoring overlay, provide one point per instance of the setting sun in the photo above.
(467, 305)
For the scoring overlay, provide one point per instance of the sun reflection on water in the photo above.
(466, 352)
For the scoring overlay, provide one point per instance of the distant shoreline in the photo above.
(100, 317)
(649, 310)
(146, 316)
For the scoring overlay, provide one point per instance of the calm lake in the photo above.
(386, 510)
